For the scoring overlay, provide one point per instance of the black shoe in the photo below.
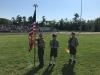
(50, 64)
(70, 60)
(39, 65)
(74, 62)
(53, 65)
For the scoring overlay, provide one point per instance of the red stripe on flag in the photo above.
(32, 37)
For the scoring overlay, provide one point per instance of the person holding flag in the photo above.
(41, 47)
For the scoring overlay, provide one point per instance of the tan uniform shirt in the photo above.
(74, 41)
(41, 43)
(52, 45)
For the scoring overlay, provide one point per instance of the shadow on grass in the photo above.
(33, 71)
(48, 70)
(68, 69)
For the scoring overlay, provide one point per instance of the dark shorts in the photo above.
(72, 50)
(53, 52)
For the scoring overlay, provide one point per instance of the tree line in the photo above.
(63, 24)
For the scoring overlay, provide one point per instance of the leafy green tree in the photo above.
(19, 19)
(24, 20)
(61, 24)
(13, 20)
(30, 19)
(97, 24)
(5, 21)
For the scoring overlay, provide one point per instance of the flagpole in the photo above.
(81, 17)
(35, 5)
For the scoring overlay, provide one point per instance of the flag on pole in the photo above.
(32, 32)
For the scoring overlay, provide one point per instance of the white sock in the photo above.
(74, 59)
(70, 58)
(50, 62)
(54, 62)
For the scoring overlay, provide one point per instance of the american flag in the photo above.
(32, 32)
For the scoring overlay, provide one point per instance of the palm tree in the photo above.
(75, 20)
(43, 18)
(76, 16)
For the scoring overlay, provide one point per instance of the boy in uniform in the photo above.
(72, 45)
(41, 47)
(54, 44)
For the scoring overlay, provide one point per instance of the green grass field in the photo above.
(16, 60)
